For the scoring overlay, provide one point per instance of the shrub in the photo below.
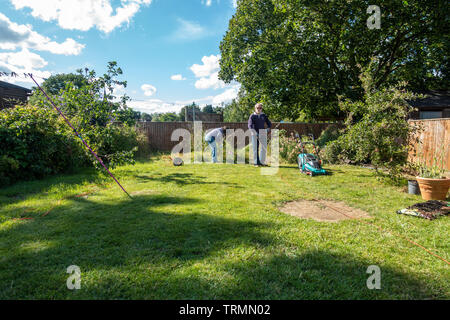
(331, 153)
(9, 168)
(434, 169)
(377, 130)
(115, 144)
(143, 145)
(92, 108)
(288, 147)
(331, 133)
(34, 142)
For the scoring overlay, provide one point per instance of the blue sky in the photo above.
(168, 49)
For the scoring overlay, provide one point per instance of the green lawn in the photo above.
(208, 231)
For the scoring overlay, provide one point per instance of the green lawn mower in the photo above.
(309, 163)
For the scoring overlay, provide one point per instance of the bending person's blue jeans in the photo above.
(259, 145)
(212, 145)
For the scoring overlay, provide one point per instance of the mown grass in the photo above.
(204, 231)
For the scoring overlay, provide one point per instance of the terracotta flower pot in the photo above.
(433, 189)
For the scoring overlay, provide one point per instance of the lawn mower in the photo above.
(307, 162)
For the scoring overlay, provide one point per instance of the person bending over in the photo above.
(211, 138)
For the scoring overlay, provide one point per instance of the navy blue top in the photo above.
(256, 121)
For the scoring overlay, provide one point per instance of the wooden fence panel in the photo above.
(159, 133)
(434, 140)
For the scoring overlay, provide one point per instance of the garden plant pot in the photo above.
(433, 189)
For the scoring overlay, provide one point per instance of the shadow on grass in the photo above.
(143, 248)
(295, 167)
(182, 179)
(95, 235)
(22, 190)
(332, 171)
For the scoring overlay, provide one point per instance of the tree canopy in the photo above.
(88, 100)
(88, 97)
(165, 117)
(57, 82)
(299, 56)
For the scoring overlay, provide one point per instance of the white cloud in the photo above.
(188, 30)
(83, 14)
(177, 77)
(155, 105)
(148, 89)
(23, 62)
(118, 90)
(13, 36)
(23, 59)
(226, 96)
(210, 65)
(199, 101)
(209, 2)
(208, 72)
(210, 82)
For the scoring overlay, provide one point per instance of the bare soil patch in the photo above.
(322, 210)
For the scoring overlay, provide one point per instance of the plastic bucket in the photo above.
(413, 187)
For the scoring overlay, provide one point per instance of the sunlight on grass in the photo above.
(203, 231)
(36, 246)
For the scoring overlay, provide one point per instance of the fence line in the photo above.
(159, 133)
(434, 139)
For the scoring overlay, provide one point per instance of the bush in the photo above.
(288, 147)
(331, 133)
(115, 144)
(331, 153)
(143, 145)
(377, 130)
(9, 168)
(34, 143)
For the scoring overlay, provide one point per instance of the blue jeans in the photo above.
(259, 149)
(212, 145)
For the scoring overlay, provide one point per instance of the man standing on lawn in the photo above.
(256, 123)
(211, 137)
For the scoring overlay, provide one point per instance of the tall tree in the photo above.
(55, 83)
(182, 113)
(146, 117)
(87, 98)
(165, 117)
(208, 109)
(301, 55)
